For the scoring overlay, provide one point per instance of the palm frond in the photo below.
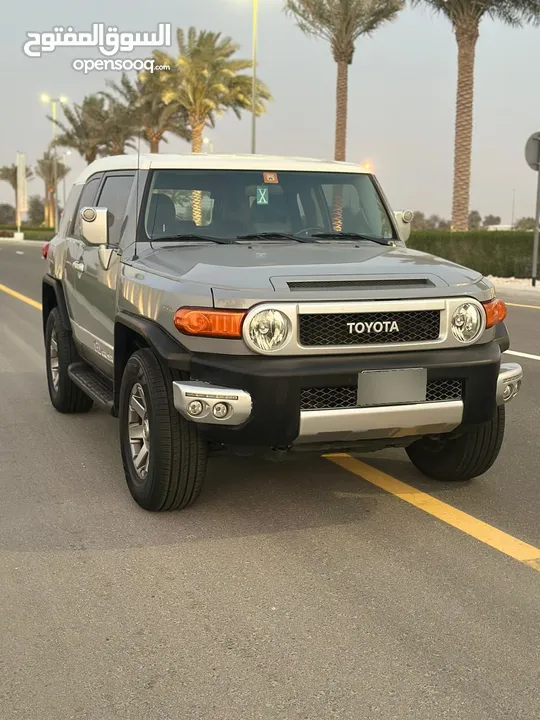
(342, 22)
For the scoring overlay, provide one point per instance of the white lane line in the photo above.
(522, 354)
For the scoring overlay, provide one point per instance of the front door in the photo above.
(74, 251)
(96, 275)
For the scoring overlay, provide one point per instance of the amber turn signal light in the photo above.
(495, 312)
(209, 323)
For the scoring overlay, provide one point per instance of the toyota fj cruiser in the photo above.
(222, 303)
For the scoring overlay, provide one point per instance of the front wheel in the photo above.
(460, 458)
(164, 456)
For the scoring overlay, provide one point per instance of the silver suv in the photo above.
(224, 303)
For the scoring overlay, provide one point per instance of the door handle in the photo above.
(78, 266)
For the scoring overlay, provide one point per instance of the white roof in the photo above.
(210, 161)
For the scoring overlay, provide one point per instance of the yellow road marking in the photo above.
(21, 297)
(487, 534)
(531, 307)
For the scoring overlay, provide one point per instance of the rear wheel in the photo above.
(65, 396)
(164, 456)
(460, 458)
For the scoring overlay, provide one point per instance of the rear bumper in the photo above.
(264, 396)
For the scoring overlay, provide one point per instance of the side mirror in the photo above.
(404, 219)
(94, 226)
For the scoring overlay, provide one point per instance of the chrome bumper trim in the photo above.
(392, 421)
(508, 382)
(238, 402)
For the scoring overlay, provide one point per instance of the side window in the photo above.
(114, 196)
(66, 220)
(87, 199)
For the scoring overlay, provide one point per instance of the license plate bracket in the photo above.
(391, 387)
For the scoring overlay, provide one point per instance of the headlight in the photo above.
(466, 322)
(269, 329)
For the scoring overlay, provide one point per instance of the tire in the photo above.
(171, 472)
(462, 458)
(66, 397)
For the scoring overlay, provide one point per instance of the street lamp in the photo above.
(52, 102)
(254, 78)
(64, 156)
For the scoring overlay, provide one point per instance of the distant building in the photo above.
(499, 227)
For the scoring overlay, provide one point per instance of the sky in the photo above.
(402, 89)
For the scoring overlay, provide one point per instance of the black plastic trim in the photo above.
(502, 337)
(170, 351)
(275, 385)
(60, 302)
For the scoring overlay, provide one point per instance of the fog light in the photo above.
(508, 392)
(220, 410)
(195, 407)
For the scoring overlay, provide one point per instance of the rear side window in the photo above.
(114, 196)
(87, 200)
(66, 220)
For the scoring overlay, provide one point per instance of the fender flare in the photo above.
(170, 353)
(51, 282)
(502, 337)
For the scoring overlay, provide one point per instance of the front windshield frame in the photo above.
(227, 176)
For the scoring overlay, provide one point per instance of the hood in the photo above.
(277, 270)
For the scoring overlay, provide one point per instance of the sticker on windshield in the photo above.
(270, 178)
(262, 196)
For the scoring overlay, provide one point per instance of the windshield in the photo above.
(233, 203)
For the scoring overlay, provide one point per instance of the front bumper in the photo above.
(262, 396)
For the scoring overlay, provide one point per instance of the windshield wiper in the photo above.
(353, 236)
(193, 236)
(275, 235)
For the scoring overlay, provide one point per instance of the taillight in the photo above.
(210, 323)
(45, 250)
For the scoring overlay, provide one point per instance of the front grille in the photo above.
(344, 396)
(319, 330)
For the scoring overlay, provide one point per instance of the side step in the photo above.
(93, 384)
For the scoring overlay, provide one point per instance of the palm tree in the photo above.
(465, 16)
(144, 107)
(341, 23)
(8, 173)
(206, 80)
(119, 127)
(45, 171)
(84, 129)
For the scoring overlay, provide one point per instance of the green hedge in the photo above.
(29, 234)
(498, 253)
(39, 235)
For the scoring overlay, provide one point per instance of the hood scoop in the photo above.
(333, 285)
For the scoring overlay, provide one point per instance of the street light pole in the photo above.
(64, 156)
(55, 166)
(52, 102)
(254, 78)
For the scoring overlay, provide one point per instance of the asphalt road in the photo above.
(293, 591)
